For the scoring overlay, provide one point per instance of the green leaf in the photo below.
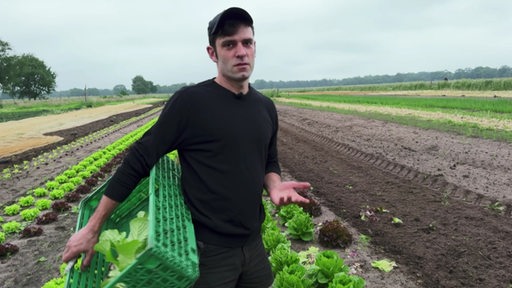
(139, 227)
(301, 226)
(104, 247)
(283, 256)
(42, 259)
(112, 235)
(287, 212)
(127, 250)
(285, 280)
(344, 280)
(272, 238)
(396, 220)
(329, 263)
(384, 265)
(106, 243)
(121, 250)
(308, 257)
(55, 283)
(293, 276)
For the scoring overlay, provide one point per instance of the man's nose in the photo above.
(241, 51)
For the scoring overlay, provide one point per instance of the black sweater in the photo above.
(226, 144)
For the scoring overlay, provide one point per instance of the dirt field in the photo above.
(441, 186)
(20, 136)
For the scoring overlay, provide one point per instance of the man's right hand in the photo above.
(82, 241)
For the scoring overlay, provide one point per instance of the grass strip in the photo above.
(500, 108)
(465, 129)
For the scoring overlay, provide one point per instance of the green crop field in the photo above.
(495, 84)
(484, 117)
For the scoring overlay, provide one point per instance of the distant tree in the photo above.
(76, 92)
(5, 59)
(171, 88)
(120, 90)
(28, 77)
(482, 72)
(152, 87)
(504, 71)
(141, 86)
(93, 92)
(4, 48)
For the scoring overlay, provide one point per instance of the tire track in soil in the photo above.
(445, 242)
(434, 182)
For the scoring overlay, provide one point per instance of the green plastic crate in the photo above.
(170, 259)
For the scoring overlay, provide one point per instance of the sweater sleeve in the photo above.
(160, 139)
(272, 158)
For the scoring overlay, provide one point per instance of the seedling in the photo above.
(43, 204)
(496, 207)
(364, 239)
(11, 227)
(40, 192)
(385, 265)
(11, 210)
(29, 214)
(445, 198)
(397, 221)
(26, 201)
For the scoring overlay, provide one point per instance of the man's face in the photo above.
(235, 55)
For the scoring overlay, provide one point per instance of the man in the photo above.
(225, 133)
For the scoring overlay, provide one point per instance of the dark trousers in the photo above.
(241, 267)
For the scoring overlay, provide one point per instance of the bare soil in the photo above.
(20, 136)
(442, 186)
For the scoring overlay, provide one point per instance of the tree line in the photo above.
(139, 86)
(142, 86)
(467, 73)
(27, 77)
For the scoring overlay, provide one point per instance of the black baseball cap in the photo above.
(233, 13)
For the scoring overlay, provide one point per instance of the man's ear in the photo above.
(211, 53)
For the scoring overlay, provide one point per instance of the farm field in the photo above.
(25, 138)
(453, 194)
(445, 188)
(39, 258)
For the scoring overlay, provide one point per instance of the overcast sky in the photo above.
(102, 43)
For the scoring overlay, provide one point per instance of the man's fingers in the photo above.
(303, 199)
(304, 185)
(292, 199)
(296, 185)
(87, 261)
(68, 255)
